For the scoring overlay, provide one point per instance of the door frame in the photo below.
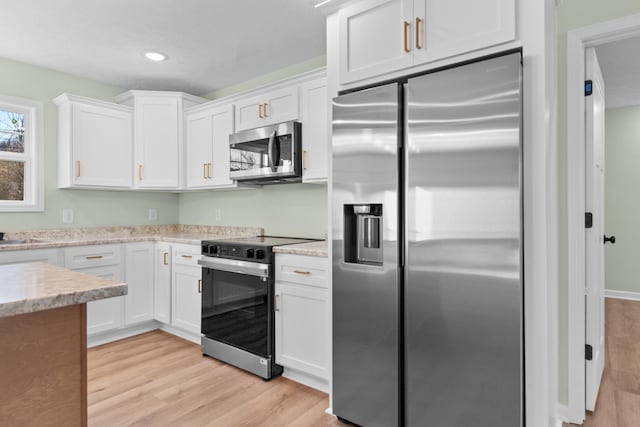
(577, 41)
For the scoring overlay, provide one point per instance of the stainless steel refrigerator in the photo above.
(427, 249)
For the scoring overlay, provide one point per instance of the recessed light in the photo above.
(155, 56)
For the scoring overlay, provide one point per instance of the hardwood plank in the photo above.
(157, 379)
(618, 403)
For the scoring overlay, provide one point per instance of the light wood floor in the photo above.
(156, 379)
(618, 403)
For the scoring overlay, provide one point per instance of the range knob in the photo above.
(213, 249)
(250, 253)
(259, 254)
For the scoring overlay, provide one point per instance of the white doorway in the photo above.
(586, 264)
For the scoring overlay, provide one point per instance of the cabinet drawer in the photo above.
(307, 270)
(92, 256)
(187, 255)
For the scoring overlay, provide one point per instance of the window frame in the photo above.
(33, 112)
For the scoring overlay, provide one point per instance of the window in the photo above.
(21, 153)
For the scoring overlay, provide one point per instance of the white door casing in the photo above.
(594, 203)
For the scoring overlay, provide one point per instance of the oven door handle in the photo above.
(233, 266)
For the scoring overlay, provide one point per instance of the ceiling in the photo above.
(211, 44)
(620, 65)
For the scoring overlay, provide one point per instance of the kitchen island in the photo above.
(43, 348)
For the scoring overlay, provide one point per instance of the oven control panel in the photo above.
(230, 251)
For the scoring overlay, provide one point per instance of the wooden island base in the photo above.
(43, 368)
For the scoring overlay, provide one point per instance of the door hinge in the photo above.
(588, 87)
(588, 352)
(588, 220)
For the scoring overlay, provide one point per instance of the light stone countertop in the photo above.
(318, 249)
(37, 286)
(185, 234)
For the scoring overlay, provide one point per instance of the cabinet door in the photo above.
(186, 287)
(315, 131)
(222, 127)
(157, 142)
(186, 298)
(281, 105)
(453, 27)
(105, 314)
(302, 323)
(139, 277)
(102, 146)
(199, 141)
(249, 113)
(374, 39)
(162, 283)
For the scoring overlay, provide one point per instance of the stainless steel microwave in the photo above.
(266, 155)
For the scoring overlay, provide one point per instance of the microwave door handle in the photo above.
(273, 152)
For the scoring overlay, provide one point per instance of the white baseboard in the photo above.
(634, 296)
(562, 414)
(194, 338)
(119, 334)
(306, 379)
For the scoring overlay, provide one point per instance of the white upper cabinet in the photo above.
(381, 36)
(315, 130)
(158, 142)
(271, 107)
(207, 147)
(95, 145)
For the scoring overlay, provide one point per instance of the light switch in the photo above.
(153, 214)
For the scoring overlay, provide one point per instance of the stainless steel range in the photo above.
(238, 302)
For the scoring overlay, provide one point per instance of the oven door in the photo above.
(267, 152)
(236, 304)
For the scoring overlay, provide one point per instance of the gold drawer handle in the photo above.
(77, 168)
(166, 260)
(265, 109)
(94, 257)
(418, 33)
(305, 273)
(139, 172)
(186, 256)
(406, 27)
(260, 114)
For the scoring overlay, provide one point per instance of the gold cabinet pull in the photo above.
(165, 258)
(94, 257)
(139, 172)
(209, 170)
(204, 170)
(199, 286)
(186, 256)
(304, 160)
(406, 27)
(260, 111)
(305, 273)
(77, 168)
(266, 104)
(418, 33)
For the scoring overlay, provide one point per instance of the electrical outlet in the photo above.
(218, 214)
(67, 216)
(153, 214)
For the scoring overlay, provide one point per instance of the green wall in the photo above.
(622, 201)
(573, 14)
(92, 208)
(295, 210)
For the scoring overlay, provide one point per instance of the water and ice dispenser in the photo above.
(363, 234)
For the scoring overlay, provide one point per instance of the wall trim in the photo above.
(632, 296)
(120, 334)
(577, 41)
(562, 414)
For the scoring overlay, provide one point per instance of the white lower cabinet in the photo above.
(302, 318)
(162, 283)
(186, 287)
(138, 274)
(102, 261)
